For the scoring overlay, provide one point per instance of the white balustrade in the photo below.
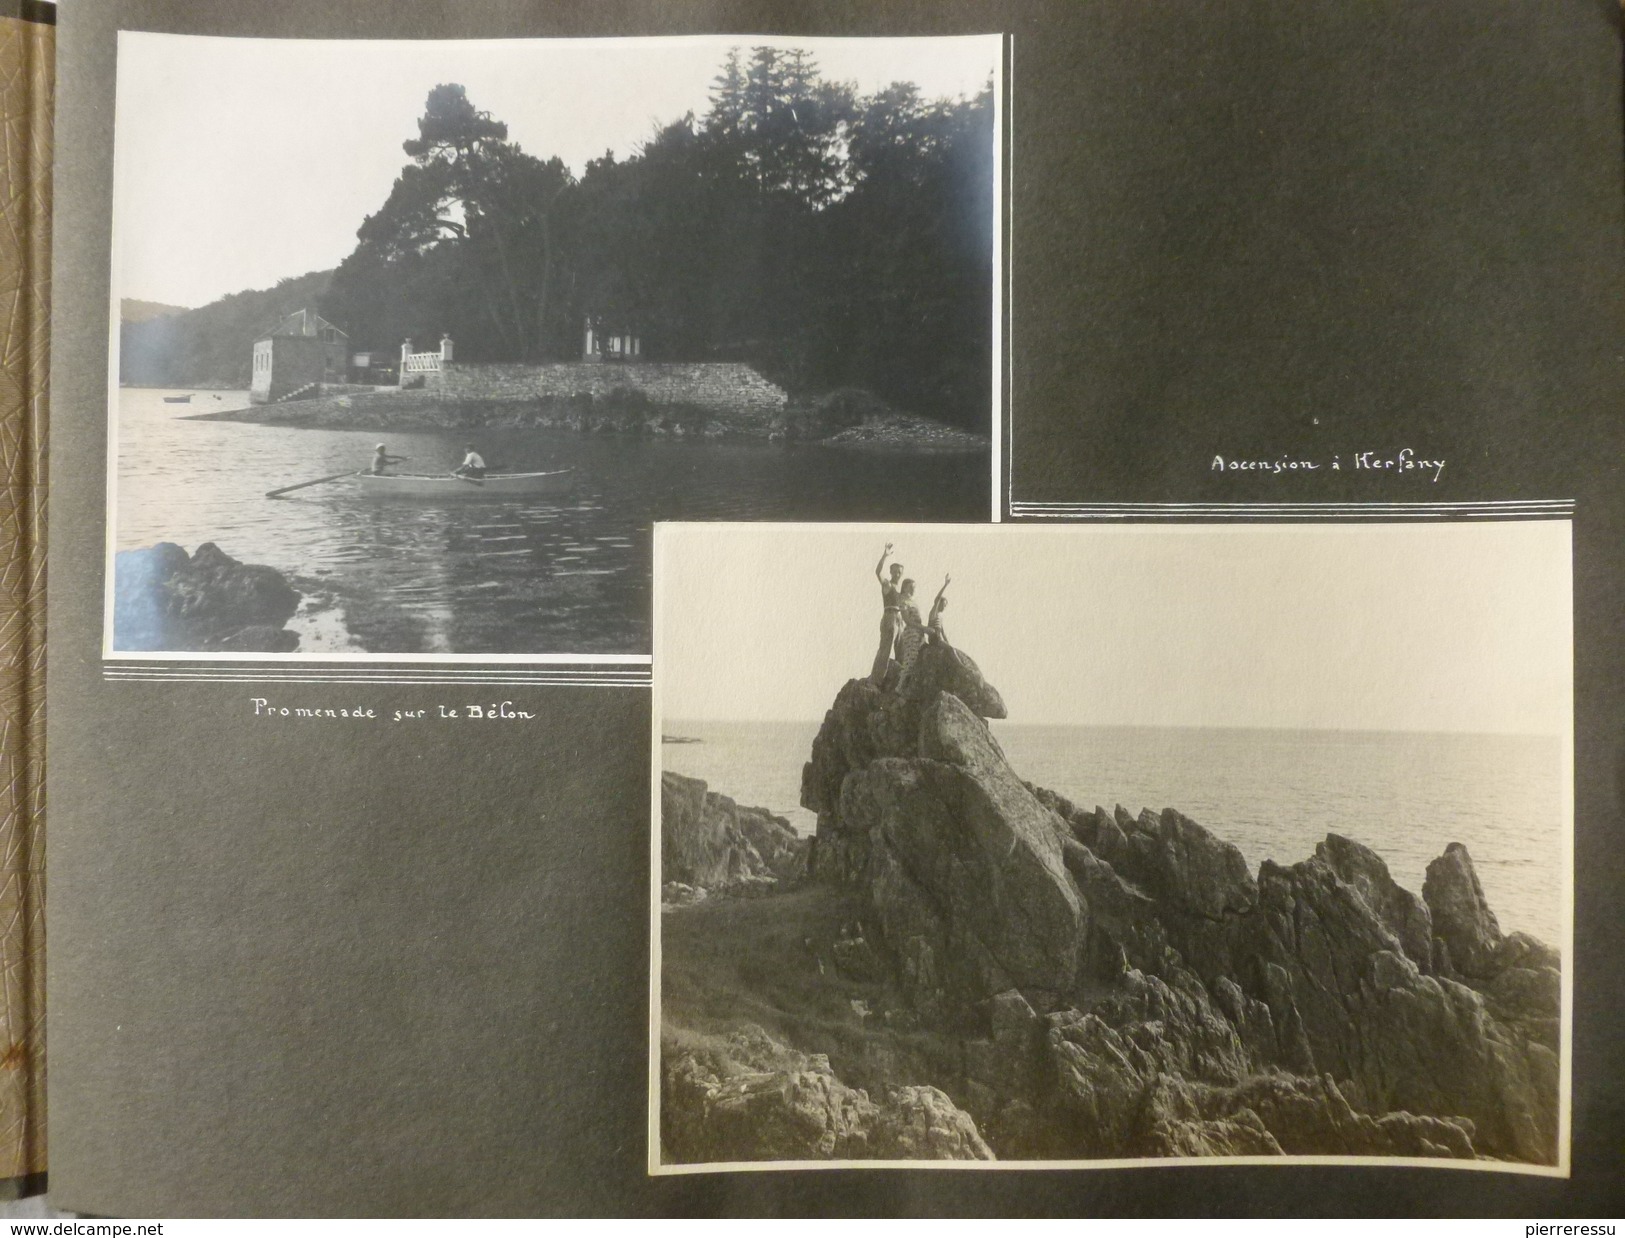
(424, 362)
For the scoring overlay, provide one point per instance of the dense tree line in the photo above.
(830, 238)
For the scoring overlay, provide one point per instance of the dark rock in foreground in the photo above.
(164, 599)
(1123, 986)
(711, 845)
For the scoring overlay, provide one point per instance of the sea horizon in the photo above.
(1002, 723)
(1273, 792)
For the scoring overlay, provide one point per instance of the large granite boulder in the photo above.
(165, 599)
(940, 667)
(918, 805)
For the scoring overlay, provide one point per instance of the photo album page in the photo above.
(781, 609)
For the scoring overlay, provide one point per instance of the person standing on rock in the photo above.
(890, 615)
(918, 635)
(911, 635)
(381, 460)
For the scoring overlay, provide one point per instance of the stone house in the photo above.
(302, 351)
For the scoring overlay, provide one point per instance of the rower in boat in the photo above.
(381, 460)
(473, 465)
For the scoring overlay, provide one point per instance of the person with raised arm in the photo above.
(933, 625)
(891, 618)
(917, 635)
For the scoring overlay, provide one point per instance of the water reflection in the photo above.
(566, 575)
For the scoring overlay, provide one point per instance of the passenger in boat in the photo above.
(891, 616)
(381, 460)
(473, 465)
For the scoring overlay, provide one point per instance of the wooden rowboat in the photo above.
(491, 486)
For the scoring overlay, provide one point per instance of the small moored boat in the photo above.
(491, 486)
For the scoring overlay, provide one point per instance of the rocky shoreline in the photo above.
(968, 966)
(854, 421)
(715, 846)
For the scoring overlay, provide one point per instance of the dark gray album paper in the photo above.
(391, 952)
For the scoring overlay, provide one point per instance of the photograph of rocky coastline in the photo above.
(556, 290)
(889, 926)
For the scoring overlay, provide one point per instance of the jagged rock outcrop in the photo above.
(747, 1097)
(711, 845)
(1462, 919)
(1124, 986)
(165, 599)
(1402, 913)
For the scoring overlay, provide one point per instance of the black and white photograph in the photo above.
(414, 340)
(1088, 845)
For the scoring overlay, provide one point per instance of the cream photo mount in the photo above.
(149, 205)
(1095, 629)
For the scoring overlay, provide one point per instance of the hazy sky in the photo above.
(1450, 627)
(240, 162)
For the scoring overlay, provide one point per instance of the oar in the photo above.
(272, 494)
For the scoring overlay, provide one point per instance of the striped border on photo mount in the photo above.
(583, 676)
(1499, 509)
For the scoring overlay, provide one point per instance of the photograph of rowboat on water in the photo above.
(415, 340)
(1125, 845)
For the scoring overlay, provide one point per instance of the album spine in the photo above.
(27, 83)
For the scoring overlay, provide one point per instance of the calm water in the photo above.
(1274, 794)
(567, 575)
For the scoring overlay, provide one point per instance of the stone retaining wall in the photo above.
(724, 386)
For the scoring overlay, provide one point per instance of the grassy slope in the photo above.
(729, 962)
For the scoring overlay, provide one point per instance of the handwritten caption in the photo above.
(496, 710)
(1402, 461)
